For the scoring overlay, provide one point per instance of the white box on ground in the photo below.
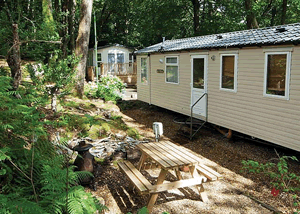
(158, 128)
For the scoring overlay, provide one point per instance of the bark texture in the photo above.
(13, 58)
(82, 43)
(250, 17)
(196, 9)
(283, 14)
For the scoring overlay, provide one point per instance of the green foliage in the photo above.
(4, 71)
(282, 179)
(56, 76)
(13, 109)
(34, 178)
(109, 88)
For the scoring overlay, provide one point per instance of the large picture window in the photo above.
(172, 73)
(228, 72)
(277, 74)
(144, 70)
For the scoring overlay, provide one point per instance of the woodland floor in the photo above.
(230, 195)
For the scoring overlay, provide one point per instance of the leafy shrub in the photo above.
(34, 178)
(55, 78)
(282, 179)
(55, 187)
(109, 88)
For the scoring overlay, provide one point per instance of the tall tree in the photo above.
(196, 10)
(283, 13)
(82, 43)
(250, 16)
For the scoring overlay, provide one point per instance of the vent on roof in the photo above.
(219, 37)
(280, 29)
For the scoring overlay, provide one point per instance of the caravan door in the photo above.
(199, 84)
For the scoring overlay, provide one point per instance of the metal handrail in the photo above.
(205, 94)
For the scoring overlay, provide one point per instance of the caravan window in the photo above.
(144, 70)
(120, 58)
(277, 74)
(228, 72)
(172, 75)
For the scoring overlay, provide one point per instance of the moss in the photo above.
(105, 127)
(94, 131)
(86, 127)
(99, 160)
(132, 132)
(71, 104)
(69, 135)
(115, 162)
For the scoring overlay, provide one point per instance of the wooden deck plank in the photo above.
(165, 153)
(180, 153)
(177, 184)
(186, 151)
(218, 175)
(178, 156)
(206, 173)
(140, 186)
(158, 159)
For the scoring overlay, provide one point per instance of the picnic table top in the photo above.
(169, 155)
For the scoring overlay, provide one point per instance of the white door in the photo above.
(199, 84)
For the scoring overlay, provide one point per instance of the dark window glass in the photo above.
(276, 75)
(198, 73)
(228, 72)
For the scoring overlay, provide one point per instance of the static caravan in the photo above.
(115, 60)
(247, 81)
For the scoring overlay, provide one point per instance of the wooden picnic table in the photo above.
(168, 156)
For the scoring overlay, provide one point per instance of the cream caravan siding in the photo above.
(168, 95)
(248, 111)
(143, 91)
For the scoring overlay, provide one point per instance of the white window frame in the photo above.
(287, 76)
(171, 64)
(143, 83)
(235, 72)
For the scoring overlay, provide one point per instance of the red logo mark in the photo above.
(274, 192)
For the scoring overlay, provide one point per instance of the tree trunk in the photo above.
(196, 9)
(283, 15)
(65, 33)
(82, 43)
(13, 58)
(48, 17)
(250, 17)
(273, 16)
(72, 8)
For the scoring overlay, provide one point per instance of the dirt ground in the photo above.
(238, 192)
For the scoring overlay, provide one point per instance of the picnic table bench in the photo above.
(168, 156)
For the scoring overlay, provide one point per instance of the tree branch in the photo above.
(34, 40)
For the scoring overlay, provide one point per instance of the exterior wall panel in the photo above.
(247, 111)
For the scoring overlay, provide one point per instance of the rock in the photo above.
(120, 136)
(72, 144)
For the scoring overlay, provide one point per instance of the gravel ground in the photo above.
(229, 195)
